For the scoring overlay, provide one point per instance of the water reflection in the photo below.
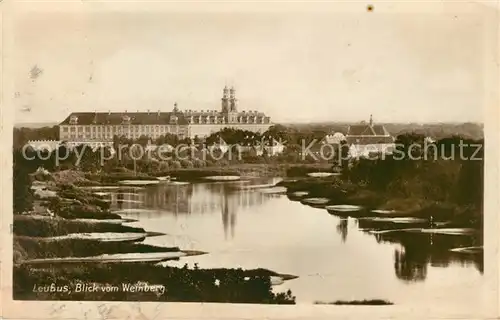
(342, 229)
(410, 266)
(419, 250)
(203, 207)
(206, 198)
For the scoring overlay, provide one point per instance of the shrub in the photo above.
(198, 163)
(163, 166)
(175, 164)
(186, 164)
(222, 162)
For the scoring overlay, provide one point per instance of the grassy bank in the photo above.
(246, 170)
(341, 192)
(181, 284)
(32, 241)
(25, 225)
(39, 248)
(337, 190)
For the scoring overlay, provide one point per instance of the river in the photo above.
(333, 257)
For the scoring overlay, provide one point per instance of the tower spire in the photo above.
(225, 99)
(232, 99)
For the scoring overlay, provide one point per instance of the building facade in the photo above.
(366, 138)
(205, 122)
(92, 127)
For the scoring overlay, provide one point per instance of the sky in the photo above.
(295, 67)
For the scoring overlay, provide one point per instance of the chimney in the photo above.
(109, 112)
(371, 120)
(158, 113)
(148, 111)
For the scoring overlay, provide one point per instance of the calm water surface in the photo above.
(333, 258)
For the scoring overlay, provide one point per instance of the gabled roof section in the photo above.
(369, 140)
(367, 130)
(118, 118)
(379, 130)
(360, 130)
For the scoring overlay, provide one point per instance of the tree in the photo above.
(143, 140)
(197, 140)
(22, 135)
(409, 145)
(22, 193)
(344, 156)
(470, 182)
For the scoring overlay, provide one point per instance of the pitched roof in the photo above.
(367, 130)
(359, 130)
(117, 118)
(219, 113)
(379, 130)
(369, 140)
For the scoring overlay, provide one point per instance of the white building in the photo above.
(366, 138)
(48, 145)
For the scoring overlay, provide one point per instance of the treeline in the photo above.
(22, 135)
(448, 170)
(292, 133)
(435, 130)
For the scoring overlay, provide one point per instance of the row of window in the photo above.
(248, 120)
(150, 128)
(107, 136)
(145, 129)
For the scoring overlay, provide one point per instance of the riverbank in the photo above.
(78, 224)
(180, 284)
(374, 203)
(242, 169)
(114, 177)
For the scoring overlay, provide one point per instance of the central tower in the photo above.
(232, 100)
(229, 107)
(225, 100)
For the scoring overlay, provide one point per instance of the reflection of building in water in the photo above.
(189, 199)
(230, 205)
(212, 197)
(342, 229)
(419, 250)
(410, 265)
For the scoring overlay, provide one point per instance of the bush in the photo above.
(186, 164)
(198, 163)
(175, 165)
(163, 166)
(209, 163)
(222, 162)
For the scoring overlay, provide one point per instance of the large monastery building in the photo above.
(97, 127)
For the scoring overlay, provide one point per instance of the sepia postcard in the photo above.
(250, 160)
